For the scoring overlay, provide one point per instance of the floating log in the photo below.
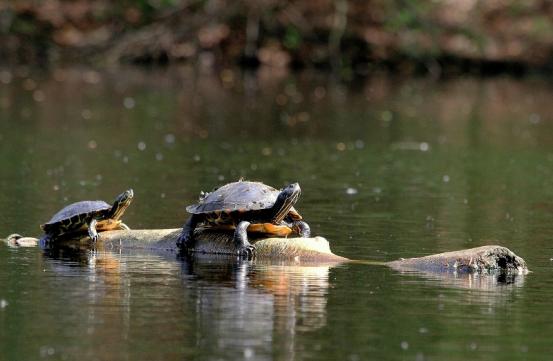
(485, 260)
(313, 249)
(482, 260)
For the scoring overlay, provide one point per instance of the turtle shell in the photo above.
(74, 215)
(236, 196)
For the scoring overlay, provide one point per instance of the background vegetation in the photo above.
(345, 35)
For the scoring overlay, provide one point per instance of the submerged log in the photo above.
(485, 260)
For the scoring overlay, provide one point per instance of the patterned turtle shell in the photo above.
(237, 196)
(77, 216)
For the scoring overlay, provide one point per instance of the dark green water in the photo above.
(389, 168)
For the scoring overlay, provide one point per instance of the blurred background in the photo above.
(349, 37)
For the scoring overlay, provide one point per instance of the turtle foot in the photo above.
(247, 252)
(185, 242)
(302, 229)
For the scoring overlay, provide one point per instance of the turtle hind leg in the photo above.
(243, 247)
(302, 229)
(92, 230)
(186, 238)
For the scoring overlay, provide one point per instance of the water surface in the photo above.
(389, 168)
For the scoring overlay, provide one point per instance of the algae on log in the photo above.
(314, 249)
(485, 259)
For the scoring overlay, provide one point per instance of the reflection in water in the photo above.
(466, 280)
(238, 308)
(245, 306)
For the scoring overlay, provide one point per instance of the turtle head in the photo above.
(121, 203)
(286, 199)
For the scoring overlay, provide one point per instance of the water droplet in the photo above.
(29, 84)
(386, 116)
(445, 178)
(169, 138)
(38, 96)
(5, 77)
(129, 102)
(319, 92)
(159, 156)
(141, 146)
(196, 158)
(351, 191)
(86, 114)
(534, 118)
(341, 146)
(3, 303)
(404, 345)
(92, 144)
(248, 353)
(281, 99)
(424, 147)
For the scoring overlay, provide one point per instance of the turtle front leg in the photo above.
(92, 230)
(301, 228)
(186, 238)
(243, 246)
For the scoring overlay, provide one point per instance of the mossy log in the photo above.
(485, 259)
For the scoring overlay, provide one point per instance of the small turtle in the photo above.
(246, 206)
(91, 216)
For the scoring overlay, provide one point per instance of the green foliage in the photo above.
(292, 38)
(407, 14)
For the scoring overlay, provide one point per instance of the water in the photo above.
(389, 168)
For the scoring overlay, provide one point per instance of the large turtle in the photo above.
(246, 206)
(91, 216)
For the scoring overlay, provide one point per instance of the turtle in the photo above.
(245, 206)
(91, 216)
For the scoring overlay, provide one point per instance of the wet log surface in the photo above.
(485, 259)
(313, 249)
(481, 260)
